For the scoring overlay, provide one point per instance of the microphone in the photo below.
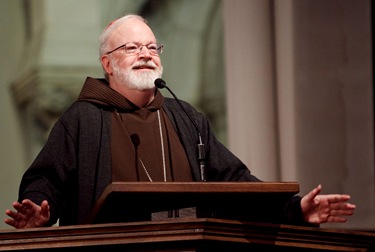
(136, 141)
(160, 83)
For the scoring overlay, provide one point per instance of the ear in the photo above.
(106, 63)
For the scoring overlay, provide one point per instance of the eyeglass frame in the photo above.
(140, 46)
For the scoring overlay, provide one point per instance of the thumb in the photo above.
(313, 193)
(44, 208)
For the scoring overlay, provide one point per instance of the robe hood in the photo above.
(99, 92)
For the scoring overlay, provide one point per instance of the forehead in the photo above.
(132, 30)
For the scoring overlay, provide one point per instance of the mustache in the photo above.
(145, 64)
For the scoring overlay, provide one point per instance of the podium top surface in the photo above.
(135, 197)
(198, 187)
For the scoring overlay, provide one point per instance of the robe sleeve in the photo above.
(50, 175)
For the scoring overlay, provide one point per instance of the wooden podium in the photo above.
(227, 204)
(136, 201)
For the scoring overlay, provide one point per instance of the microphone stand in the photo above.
(160, 83)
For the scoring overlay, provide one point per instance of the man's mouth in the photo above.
(140, 67)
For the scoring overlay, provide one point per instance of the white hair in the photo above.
(104, 37)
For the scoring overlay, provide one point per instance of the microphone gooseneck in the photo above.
(160, 83)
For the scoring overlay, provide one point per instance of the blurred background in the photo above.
(287, 84)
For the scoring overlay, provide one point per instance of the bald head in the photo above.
(104, 46)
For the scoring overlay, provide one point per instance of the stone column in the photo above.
(59, 54)
(250, 85)
(319, 60)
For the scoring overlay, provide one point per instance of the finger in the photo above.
(45, 209)
(313, 193)
(28, 207)
(350, 206)
(28, 204)
(342, 206)
(44, 203)
(337, 206)
(11, 213)
(334, 198)
(341, 213)
(22, 209)
(10, 222)
(336, 219)
(18, 206)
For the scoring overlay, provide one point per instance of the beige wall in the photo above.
(12, 151)
(299, 87)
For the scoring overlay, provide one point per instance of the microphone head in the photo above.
(160, 83)
(135, 139)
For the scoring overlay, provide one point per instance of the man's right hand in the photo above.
(28, 215)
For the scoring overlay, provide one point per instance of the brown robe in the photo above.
(136, 145)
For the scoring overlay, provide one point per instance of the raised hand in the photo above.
(28, 215)
(319, 209)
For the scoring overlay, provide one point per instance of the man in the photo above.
(122, 129)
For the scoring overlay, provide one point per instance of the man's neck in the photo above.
(141, 98)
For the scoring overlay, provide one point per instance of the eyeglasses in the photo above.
(133, 48)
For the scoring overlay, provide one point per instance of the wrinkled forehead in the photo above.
(131, 30)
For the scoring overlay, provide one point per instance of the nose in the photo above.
(144, 53)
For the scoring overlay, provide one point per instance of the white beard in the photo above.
(142, 80)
